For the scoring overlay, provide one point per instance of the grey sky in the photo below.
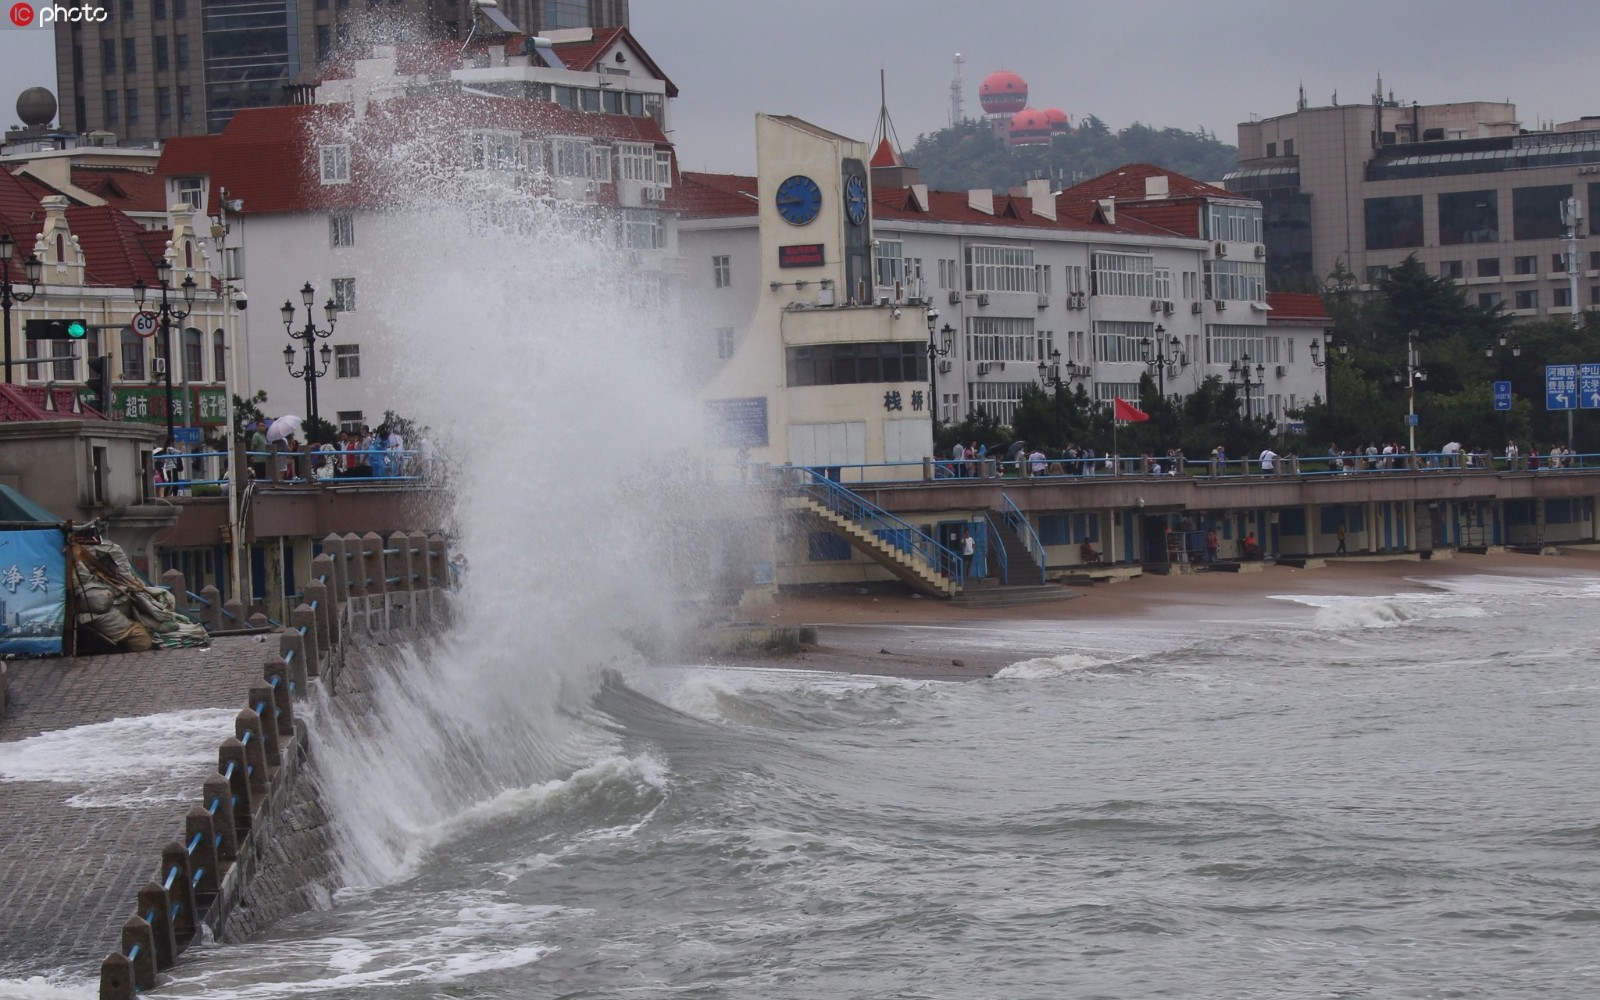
(1163, 62)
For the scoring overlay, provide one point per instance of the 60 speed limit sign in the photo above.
(144, 323)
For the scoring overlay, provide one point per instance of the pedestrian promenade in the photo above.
(76, 845)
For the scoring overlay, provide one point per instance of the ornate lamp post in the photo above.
(1411, 374)
(168, 313)
(1316, 352)
(8, 290)
(1490, 351)
(310, 335)
(1163, 358)
(1057, 376)
(1241, 373)
(937, 348)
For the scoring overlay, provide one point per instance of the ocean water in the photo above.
(1339, 797)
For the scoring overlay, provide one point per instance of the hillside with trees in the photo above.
(970, 155)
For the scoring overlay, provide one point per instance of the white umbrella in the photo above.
(283, 427)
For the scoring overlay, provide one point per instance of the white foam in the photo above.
(1062, 665)
(705, 692)
(1335, 613)
(124, 763)
(41, 988)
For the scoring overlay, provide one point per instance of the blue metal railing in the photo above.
(1018, 522)
(877, 521)
(996, 550)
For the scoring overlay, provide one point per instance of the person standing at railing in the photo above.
(969, 552)
(958, 452)
(257, 446)
(1268, 460)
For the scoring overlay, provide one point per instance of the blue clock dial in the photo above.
(799, 200)
(855, 199)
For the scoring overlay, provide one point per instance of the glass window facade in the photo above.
(248, 56)
(1536, 211)
(1394, 223)
(1469, 217)
(850, 364)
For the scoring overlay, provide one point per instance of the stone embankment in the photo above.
(218, 867)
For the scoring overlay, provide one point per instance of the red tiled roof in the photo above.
(1297, 306)
(129, 190)
(714, 196)
(1126, 183)
(27, 402)
(885, 156)
(582, 56)
(265, 156)
(116, 249)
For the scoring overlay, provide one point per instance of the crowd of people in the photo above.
(352, 455)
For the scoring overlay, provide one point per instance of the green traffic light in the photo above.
(76, 329)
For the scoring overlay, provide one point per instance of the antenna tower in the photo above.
(957, 85)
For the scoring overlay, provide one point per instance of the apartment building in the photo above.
(1475, 196)
(154, 69)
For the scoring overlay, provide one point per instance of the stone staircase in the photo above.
(1022, 568)
(906, 566)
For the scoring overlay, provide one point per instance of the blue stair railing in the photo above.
(1018, 522)
(996, 549)
(878, 522)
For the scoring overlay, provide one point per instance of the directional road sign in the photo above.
(1561, 387)
(144, 323)
(1502, 395)
(1589, 387)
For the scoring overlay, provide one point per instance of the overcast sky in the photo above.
(1162, 62)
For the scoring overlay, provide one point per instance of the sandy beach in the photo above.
(911, 636)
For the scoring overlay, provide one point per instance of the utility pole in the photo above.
(1572, 215)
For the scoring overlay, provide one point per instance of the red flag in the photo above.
(1129, 412)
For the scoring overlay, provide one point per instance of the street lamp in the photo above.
(168, 313)
(1316, 352)
(8, 290)
(1411, 375)
(1160, 356)
(936, 350)
(1516, 349)
(1240, 372)
(310, 335)
(1057, 376)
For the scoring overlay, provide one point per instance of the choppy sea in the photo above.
(1380, 797)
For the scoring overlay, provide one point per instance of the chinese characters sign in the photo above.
(33, 592)
(149, 405)
(737, 423)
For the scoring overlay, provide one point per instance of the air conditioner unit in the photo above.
(983, 368)
(955, 298)
(653, 194)
(1044, 301)
(1261, 251)
(1282, 371)
(983, 298)
(1195, 307)
(1167, 308)
(158, 366)
(1222, 249)
(1221, 305)
(945, 367)
(1155, 305)
(1082, 304)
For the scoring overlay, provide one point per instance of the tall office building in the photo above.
(161, 68)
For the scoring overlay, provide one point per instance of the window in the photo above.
(1123, 274)
(663, 168)
(335, 160)
(342, 230)
(1490, 300)
(721, 271)
(1558, 263)
(1469, 217)
(1561, 298)
(1227, 343)
(1072, 279)
(219, 356)
(1594, 295)
(111, 107)
(637, 161)
(1536, 211)
(130, 111)
(571, 157)
(132, 351)
(1394, 222)
(1488, 267)
(999, 269)
(998, 399)
(61, 371)
(1191, 284)
(1163, 282)
(189, 190)
(852, 364)
(1117, 341)
(1528, 298)
(1377, 273)
(162, 59)
(233, 263)
(344, 294)
(1451, 269)
(159, 10)
(1105, 392)
(494, 150)
(588, 100)
(1236, 279)
(889, 265)
(182, 43)
(164, 103)
(1234, 224)
(725, 342)
(130, 56)
(1594, 260)
(1272, 149)
(347, 360)
(108, 55)
(324, 39)
(600, 164)
(1000, 338)
(949, 275)
(1288, 147)
(642, 229)
(1527, 264)
(194, 355)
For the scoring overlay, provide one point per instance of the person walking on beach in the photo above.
(969, 550)
(1341, 550)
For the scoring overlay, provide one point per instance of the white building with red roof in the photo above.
(578, 118)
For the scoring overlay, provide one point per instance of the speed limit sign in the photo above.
(144, 323)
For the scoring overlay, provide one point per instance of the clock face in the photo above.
(799, 200)
(855, 199)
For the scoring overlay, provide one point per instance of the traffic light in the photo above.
(99, 394)
(55, 329)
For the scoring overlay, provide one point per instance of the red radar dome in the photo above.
(1030, 127)
(1003, 93)
(1058, 119)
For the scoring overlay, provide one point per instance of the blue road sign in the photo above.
(186, 435)
(1589, 387)
(1411, 420)
(1561, 387)
(1502, 395)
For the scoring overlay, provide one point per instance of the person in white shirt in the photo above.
(1268, 460)
(1036, 462)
